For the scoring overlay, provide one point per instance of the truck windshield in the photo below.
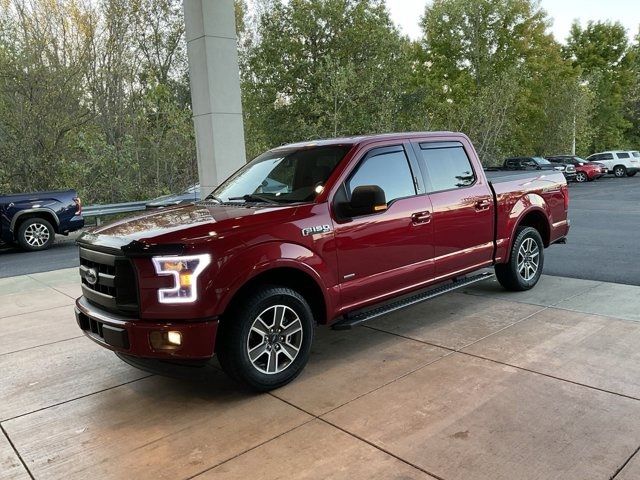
(283, 176)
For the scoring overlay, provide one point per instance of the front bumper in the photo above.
(132, 336)
(569, 177)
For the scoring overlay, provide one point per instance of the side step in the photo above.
(358, 318)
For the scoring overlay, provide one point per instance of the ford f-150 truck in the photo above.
(333, 232)
(33, 219)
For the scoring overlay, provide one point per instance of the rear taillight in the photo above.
(565, 193)
(78, 203)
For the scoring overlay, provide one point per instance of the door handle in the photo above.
(420, 218)
(482, 205)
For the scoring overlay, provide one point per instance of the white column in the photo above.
(215, 89)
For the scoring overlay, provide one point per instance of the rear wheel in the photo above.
(526, 259)
(581, 177)
(266, 340)
(620, 171)
(35, 234)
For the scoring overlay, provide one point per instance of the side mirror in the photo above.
(367, 199)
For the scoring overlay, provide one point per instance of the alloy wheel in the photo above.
(528, 259)
(581, 177)
(619, 172)
(37, 235)
(275, 339)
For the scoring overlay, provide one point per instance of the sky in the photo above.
(407, 13)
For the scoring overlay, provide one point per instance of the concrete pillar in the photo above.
(215, 89)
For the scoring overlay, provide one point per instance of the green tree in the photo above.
(323, 68)
(494, 72)
(601, 51)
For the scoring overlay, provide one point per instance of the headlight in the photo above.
(185, 272)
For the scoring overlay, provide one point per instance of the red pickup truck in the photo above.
(333, 232)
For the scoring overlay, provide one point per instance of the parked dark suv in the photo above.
(539, 163)
(32, 220)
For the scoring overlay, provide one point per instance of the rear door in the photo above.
(391, 250)
(463, 208)
(605, 158)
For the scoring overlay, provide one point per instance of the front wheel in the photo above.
(526, 259)
(581, 177)
(620, 171)
(265, 341)
(35, 234)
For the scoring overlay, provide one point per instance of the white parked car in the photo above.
(620, 163)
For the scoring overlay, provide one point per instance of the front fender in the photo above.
(259, 259)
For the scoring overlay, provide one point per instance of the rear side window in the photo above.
(448, 168)
(623, 155)
(389, 171)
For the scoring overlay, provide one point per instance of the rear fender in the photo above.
(46, 213)
(251, 263)
(530, 204)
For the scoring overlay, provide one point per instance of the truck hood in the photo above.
(184, 224)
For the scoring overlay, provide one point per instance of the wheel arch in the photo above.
(536, 218)
(44, 213)
(289, 277)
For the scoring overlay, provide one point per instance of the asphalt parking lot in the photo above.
(605, 218)
(481, 384)
(605, 226)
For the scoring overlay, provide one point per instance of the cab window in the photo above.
(448, 168)
(388, 169)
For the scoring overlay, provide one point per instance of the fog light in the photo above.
(174, 338)
(165, 340)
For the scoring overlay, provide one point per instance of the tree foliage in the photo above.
(602, 52)
(94, 94)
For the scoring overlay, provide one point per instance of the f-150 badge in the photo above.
(318, 229)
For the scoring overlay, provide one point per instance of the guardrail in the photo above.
(99, 211)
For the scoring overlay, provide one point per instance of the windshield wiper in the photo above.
(252, 198)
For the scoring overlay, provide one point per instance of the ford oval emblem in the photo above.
(91, 276)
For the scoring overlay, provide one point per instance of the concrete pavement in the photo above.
(480, 384)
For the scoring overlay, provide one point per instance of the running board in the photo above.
(358, 318)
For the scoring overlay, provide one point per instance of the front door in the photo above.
(390, 251)
(463, 207)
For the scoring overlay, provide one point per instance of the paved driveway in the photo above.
(474, 385)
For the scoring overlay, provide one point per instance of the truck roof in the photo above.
(356, 140)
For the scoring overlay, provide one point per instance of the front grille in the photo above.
(109, 281)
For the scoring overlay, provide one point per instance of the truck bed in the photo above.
(498, 176)
(542, 188)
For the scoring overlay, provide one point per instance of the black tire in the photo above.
(582, 177)
(35, 234)
(236, 338)
(620, 171)
(509, 274)
(631, 174)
